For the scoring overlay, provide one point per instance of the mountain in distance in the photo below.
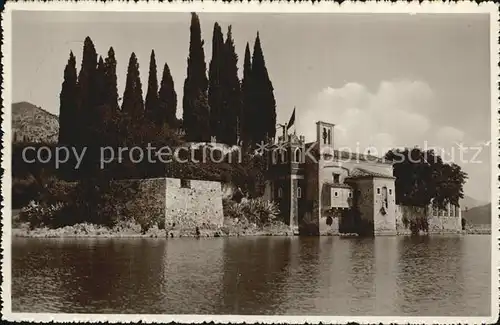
(31, 123)
(468, 203)
(480, 215)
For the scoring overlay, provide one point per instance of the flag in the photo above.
(292, 120)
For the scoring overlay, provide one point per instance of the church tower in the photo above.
(324, 138)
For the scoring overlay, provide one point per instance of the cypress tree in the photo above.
(232, 103)
(196, 110)
(215, 87)
(86, 91)
(101, 90)
(263, 96)
(168, 99)
(111, 81)
(96, 127)
(151, 105)
(68, 118)
(248, 124)
(133, 103)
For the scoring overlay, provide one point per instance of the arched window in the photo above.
(275, 156)
(280, 192)
(299, 192)
(298, 155)
(285, 156)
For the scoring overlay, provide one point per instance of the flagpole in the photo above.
(295, 124)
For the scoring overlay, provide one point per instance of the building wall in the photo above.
(282, 185)
(449, 223)
(329, 168)
(384, 224)
(309, 206)
(364, 199)
(294, 213)
(200, 205)
(343, 198)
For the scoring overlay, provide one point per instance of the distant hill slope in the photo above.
(469, 203)
(479, 215)
(34, 124)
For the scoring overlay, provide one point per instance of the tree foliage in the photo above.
(248, 120)
(152, 102)
(87, 89)
(263, 101)
(215, 85)
(167, 100)
(111, 81)
(232, 104)
(196, 109)
(68, 117)
(133, 103)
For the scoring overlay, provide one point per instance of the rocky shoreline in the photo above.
(94, 231)
(85, 230)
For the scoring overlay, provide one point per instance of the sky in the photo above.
(385, 80)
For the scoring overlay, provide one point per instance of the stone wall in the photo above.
(168, 203)
(330, 221)
(444, 225)
(437, 224)
(142, 200)
(190, 204)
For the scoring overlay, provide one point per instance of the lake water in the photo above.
(435, 276)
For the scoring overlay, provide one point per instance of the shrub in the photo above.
(258, 211)
(419, 223)
(39, 215)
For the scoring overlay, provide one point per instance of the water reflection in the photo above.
(422, 292)
(266, 275)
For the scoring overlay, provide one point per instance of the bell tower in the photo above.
(324, 137)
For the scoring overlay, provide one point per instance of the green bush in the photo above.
(258, 211)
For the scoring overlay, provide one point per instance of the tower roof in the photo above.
(358, 173)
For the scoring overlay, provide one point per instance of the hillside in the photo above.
(479, 215)
(34, 124)
(469, 203)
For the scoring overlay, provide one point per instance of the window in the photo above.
(185, 183)
(285, 156)
(280, 192)
(390, 191)
(299, 192)
(275, 156)
(378, 190)
(349, 195)
(336, 194)
(298, 155)
(336, 178)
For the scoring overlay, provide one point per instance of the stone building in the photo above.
(321, 190)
